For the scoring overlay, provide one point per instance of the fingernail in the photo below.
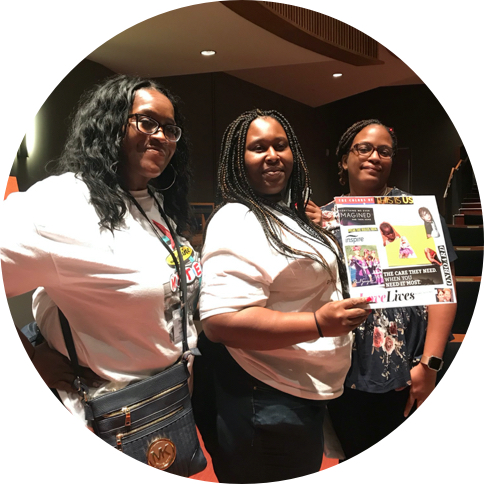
(369, 299)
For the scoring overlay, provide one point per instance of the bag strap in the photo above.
(82, 388)
(180, 267)
(71, 349)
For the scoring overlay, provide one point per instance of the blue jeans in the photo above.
(253, 432)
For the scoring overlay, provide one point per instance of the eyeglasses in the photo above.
(365, 150)
(147, 125)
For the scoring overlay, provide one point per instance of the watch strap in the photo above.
(433, 362)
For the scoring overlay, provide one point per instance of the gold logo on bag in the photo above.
(161, 454)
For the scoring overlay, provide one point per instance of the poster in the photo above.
(395, 251)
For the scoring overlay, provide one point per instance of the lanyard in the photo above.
(178, 260)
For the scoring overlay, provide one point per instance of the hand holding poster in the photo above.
(395, 250)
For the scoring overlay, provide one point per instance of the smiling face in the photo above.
(268, 158)
(146, 156)
(390, 236)
(368, 176)
(426, 216)
(388, 232)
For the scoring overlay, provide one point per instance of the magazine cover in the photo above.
(395, 250)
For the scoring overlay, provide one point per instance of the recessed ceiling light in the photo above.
(208, 52)
(337, 74)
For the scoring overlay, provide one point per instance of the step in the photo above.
(466, 235)
(462, 219)
(469, 248)
(471, 205)
(472, 219)
(467, 278)
(458, 219)
(470, 211)
(469, 260)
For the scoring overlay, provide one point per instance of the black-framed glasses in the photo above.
(366, 149)
(147, 125)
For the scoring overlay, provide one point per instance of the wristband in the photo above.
(317, 326)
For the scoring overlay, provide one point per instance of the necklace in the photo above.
(387, 191)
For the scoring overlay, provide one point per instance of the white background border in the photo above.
(43, 41)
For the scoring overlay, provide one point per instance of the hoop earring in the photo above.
(172, 183)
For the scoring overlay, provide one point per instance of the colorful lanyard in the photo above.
(178, 259)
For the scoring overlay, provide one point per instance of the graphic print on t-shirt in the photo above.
(193, 271)
(166, 234)
(171, 289)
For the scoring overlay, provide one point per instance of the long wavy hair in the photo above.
(347, 139)
(93, 151)
(234, 186)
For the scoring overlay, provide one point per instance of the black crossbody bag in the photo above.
(150, 420)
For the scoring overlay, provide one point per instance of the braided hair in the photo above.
(346, 141)
(234, 187)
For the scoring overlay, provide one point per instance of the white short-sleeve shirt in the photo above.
(117, 289)
(242, 269)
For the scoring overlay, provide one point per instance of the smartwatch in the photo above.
(433, 362)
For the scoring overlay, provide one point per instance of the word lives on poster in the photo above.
(395, 251)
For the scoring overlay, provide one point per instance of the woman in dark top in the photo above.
(386, 380)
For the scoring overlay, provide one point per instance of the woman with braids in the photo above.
(83, 238)
(277, 331)
(389, 376)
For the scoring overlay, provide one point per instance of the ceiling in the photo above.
(170, 45)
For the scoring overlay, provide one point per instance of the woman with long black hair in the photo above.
(89, 239)
(277, 328)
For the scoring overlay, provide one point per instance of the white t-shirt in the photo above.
(117, 290)
(242, 270)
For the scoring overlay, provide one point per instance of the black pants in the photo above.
(253, 432)
(361, 419)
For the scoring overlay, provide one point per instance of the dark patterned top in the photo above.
(391, 341)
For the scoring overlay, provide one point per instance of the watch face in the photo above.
(435, 363)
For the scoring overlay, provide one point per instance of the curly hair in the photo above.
(234, 187)
(347, 139)
(93, 151)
